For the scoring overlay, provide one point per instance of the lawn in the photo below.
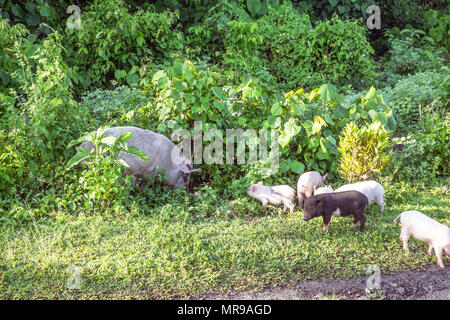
(171, 252)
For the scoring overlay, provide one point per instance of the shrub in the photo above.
(283, 50)
(10, 36)
(33, 13)
(339, 53)
(113, 107)
(115, 44)
(411, 52)
(411, 94)
(207, 38)
(102, 179)
(425, 153)
(437, 24)
(309, 125)
(348, 8)
(38, 128)
(362, 151)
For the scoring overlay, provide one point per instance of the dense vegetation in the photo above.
(310, 72)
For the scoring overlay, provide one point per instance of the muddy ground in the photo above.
(429, 283)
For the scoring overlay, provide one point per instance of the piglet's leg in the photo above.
(288, 204)
(430, 248)
(404, 238)
(362, 222)
(326, 222)
(438, 252)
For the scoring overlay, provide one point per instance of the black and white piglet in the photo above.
(339, 204)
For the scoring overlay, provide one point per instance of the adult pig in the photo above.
(371, 189)
(422, 227)
(164, 156)
(306, 184)
(281, 194)
(339, 204)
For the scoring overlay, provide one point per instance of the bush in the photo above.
(309, 125)
(411, 94)
(38, 129)
(283, 50)
(410, 52)
(437, 25)
(113, 107)
(325, 9)
(425, 153)
(362, 151)
(33, 13)
(10, 37)
(115, 44)
(102, 179)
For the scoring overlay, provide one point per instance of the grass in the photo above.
(172, 252)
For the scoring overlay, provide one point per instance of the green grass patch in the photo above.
(173, 252)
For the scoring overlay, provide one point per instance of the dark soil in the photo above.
(429, 283)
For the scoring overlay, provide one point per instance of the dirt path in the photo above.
(430, 283)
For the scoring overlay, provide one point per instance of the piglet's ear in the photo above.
(259, 182)
(324, 177)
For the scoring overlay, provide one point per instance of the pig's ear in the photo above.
(324, 177)
(259, 182)
(252, 188)
(329, 186)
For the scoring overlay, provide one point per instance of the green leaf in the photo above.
(132, 78)
(77, 158)
(291, 128)
(32, 19)
(297, 167)
(109, 140)
(158, 75)
(175, 95)
(323, 155)
(327, 92)
(119, 74)
(124, 137)
(373, 115)
(180, 85)
(17, 11)
(253, 6)
(276, 109)
(370, 94)
(308, 127)
(85, 138)
(135, 151)
(333, 3)
(218, 93)
(163, 82)
(45, 11)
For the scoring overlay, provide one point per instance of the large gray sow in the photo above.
(164, 156)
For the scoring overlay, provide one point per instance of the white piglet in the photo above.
(371, 189)
(422, 227)
(281, 194)
(307, 183)
(326, 189)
